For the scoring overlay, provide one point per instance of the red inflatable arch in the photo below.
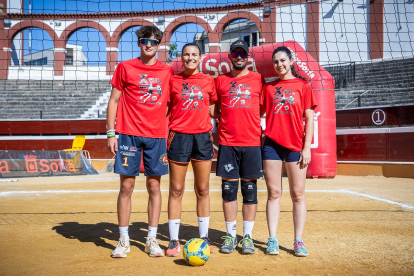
(324, 143)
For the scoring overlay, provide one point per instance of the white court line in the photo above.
(93, 178)
(2, 194)
(9, 180)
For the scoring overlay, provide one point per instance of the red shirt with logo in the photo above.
(142, 106)
(285, 102)
(239, 98)
(191, 97)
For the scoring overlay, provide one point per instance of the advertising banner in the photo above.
(16, 163)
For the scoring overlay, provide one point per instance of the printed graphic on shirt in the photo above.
(150, 88)
(283, 98)
(191, 98)
(239, 93)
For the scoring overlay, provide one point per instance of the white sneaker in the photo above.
(122, 247)
(153, 248)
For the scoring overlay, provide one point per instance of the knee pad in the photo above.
(249, 191)
(229, 190)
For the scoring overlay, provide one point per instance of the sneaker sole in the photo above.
(118, 256)
(121, 255)
(156, 255)
(247, 253)
(172, 255)
(300, 255)
(272, 253)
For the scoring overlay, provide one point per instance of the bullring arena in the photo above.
(68, 225)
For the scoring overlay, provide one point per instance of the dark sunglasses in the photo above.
(154, 42)
(243, 55)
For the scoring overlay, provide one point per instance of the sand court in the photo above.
(68, 225)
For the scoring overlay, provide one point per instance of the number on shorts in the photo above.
(125, 162)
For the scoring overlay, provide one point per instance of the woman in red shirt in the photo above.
(192, 98)
(288, 101)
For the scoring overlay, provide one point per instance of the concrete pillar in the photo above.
(376, 29)
(312, 11)
(163, 53)
(60, 56)
(111, 60)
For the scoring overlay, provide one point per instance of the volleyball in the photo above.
(196, 252)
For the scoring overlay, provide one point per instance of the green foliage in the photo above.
(173, 52)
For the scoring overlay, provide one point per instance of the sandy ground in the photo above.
(68, 225)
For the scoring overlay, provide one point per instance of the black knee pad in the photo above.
(229, 190)
(249, 191)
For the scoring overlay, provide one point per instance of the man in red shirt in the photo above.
(139, 104)
(239, 154)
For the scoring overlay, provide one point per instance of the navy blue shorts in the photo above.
(273, 151)
(183, 147)
(128, 156)
(239, 162)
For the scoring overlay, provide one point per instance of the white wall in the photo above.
(14, 6)
(343, 31)
(291, 24)
(398, 29)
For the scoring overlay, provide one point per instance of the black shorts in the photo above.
(239, 162)
(273, 151)
(183, 147)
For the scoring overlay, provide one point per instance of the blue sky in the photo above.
(93, 43)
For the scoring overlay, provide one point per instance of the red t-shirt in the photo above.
(191, 97)
(142, 106)
(240, 109)
(285, 102)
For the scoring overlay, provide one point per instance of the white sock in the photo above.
(203, 223)
(174, 226)
(248, 228)
(123, 232)
(231, 228)
(152, 232)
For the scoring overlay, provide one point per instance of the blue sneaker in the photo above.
(229, 244)
(272, 246)
(300, 249)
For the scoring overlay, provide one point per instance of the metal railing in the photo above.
(343, 73)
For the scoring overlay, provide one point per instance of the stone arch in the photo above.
(64, 37)
(233, 16)
(30, 24)
(178, 22)
(121, 29)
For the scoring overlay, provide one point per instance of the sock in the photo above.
(123, 232)
(248, 228)
(203, 223)
(174, 226)
(152, 232)
(231, 228)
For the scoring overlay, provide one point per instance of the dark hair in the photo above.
(191, 44)
(289, 54)
(148, 31)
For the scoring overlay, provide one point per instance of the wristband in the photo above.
(110, 131)
(110, 135)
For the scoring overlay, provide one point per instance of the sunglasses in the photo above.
(242, 55)
(144, 41)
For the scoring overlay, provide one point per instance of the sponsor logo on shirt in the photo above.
(283, 98)
(126, 153)
(191, 96)
(133, 149)
(124, 147)
(149, 88)
(238, 93)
